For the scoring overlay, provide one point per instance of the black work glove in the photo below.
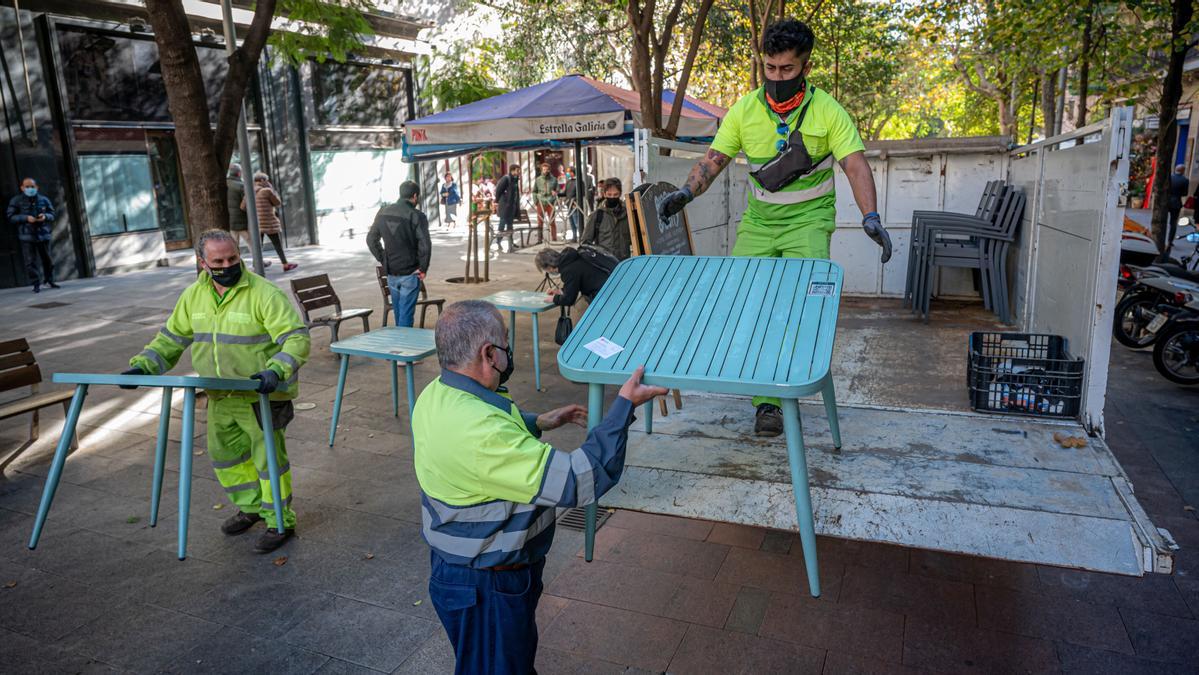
(673, 202)
(268, 381)
(875, 230)
(132, 371)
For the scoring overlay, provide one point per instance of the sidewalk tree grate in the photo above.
(49, 305)
(576, 518)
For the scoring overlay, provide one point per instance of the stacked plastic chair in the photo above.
(980, 241)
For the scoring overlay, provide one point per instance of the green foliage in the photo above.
(326, 30)
(460, 77)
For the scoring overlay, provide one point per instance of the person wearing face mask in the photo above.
(238, 325)
(791, 133)
(545, 195)
(608, 227)
(32, 213)
(490, 487)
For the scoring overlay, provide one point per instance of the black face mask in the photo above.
(506, 372)
(612, 202)
(781, 91)
(226, 276)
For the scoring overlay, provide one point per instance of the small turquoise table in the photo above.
(532, 302)
(168, 384)
(390, 343)
(747, 326)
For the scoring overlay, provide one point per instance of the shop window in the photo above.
(118, 193)
(359, 95)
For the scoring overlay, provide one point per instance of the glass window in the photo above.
(349, 94)
(118, 193)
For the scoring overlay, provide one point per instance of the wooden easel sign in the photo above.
(651, 234)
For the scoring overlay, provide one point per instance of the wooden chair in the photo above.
(18, 368)
(424, 303)
(316, 292)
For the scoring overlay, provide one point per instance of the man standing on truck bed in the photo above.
(791, 132)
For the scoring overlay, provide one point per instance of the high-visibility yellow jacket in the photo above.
(252, 328)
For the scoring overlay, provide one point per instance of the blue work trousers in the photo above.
(489, 615)
(405, 290)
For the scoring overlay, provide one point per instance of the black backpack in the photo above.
(598, 258)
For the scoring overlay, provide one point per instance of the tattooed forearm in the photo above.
(706, 170)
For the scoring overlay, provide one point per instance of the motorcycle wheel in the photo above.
(1127, 327)
(1176, 354)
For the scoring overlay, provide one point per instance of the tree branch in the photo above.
(680, 92)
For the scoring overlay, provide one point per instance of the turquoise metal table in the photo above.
(532, 302)
(168, 384)
(390, 343)
(749, 326)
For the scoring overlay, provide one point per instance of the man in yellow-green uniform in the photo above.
(794, 219)
(238, 325)
(490, 486)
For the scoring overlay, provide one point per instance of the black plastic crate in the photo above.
(1023, 374)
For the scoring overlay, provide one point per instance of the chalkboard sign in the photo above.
(661, 237)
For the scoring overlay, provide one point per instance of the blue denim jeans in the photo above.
(405, 290)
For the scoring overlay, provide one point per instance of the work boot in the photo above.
(239, 522)
(37, 288)
(273, 539)
(51, 284)
(768, 421)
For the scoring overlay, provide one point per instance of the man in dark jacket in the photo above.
(579, 275)
(608, 226)
(1179, 187)
(507, 201)
(33, 213)
(405, 250)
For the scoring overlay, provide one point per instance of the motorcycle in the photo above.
(1152, 294)
(1176, 352)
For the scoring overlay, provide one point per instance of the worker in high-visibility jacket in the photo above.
(238, 325)
(791, 132)
(489, 487)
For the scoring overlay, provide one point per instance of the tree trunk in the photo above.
(203, 174)
(697, 31)
(1167, 130)
(1048, 101)
(1084, 68)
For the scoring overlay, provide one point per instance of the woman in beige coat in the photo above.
(266, 199)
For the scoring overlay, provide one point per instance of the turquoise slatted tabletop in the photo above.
(748, 326)
(532, 302)
(390, 343)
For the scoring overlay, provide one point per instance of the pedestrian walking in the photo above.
(450, 199)
(1180, 185)
(399, 240)
(545, 194)
(266, 200)
(490, 488)
(32, 213)
(238, 325)
(507, 201)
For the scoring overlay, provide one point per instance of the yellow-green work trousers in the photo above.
(237, 447)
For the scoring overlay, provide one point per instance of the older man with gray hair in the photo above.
(490, 487)
(238, 325)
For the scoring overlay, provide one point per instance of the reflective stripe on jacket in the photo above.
(489, 487)
(252, 328)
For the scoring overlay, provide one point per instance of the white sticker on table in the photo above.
(822, 288)
(603, 347)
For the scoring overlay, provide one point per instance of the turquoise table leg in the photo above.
(60, 459)
(512, 330)
(803, 497)
(536, 350)
(595, 413)
(341, 387)
(395, 390)
(829, 394)
(272, 460)
(185, 465)
(649, 417)
(410, 376)
(160, 453)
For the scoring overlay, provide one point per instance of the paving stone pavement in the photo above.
(103, 591)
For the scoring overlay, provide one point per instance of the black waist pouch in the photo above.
(792, 162)
(282, 413)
